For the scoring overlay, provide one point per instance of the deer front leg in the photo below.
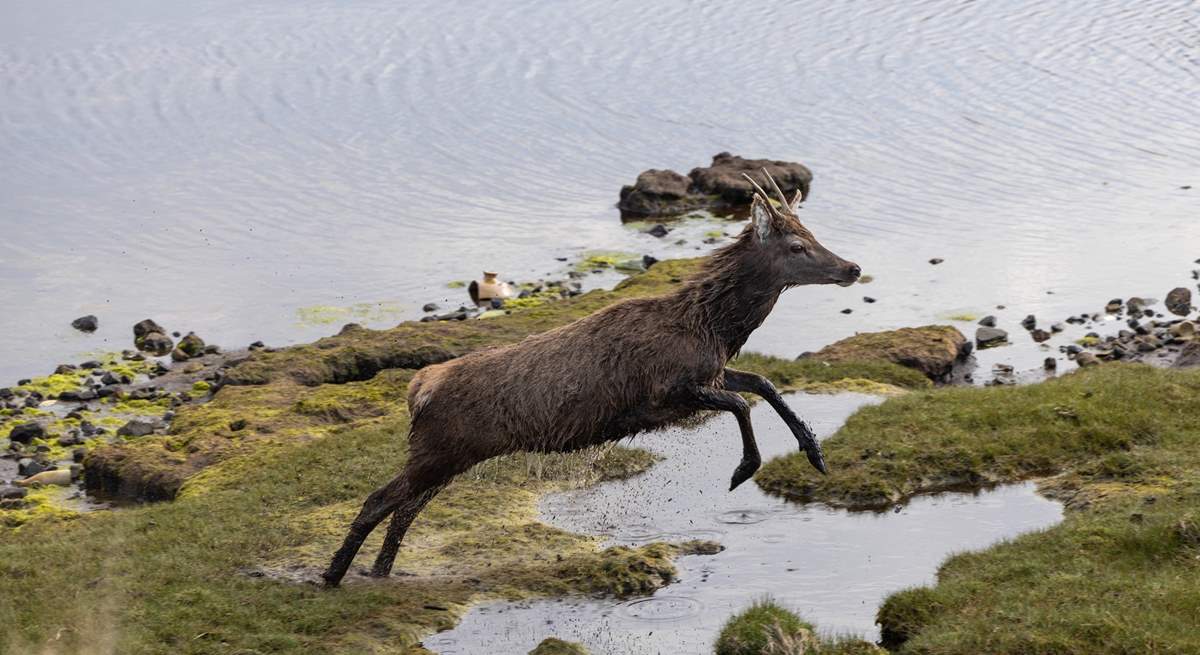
(736, 380)
(727, 401)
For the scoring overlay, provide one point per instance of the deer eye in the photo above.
(798, 248)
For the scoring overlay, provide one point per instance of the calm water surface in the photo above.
(221, 165)
(832, 566)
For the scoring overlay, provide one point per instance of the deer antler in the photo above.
(760, 190)
(782, 198)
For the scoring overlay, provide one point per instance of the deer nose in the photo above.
(855, 271)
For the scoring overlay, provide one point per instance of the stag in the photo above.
(638, 365)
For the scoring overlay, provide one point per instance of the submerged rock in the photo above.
(934, 350)
(146, 326)
(718, 186)
(87, 323)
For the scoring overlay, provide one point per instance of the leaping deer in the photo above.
(634, 366)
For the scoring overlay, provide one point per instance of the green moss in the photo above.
(806, 374)
(1088, 341)
(52, 385)
(594, 259)
(554, 646)
(964, 316)
(456, 284)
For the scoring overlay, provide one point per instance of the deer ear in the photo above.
(761, 219)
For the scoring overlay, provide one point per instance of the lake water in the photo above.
(222, 165)
(832, 566)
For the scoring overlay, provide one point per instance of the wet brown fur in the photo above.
(631, 367)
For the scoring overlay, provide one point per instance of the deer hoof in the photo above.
(744, 472)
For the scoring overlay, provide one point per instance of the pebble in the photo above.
(430, 307)
(1040, 335)
(1179, 301)
(847, 310)
(26, 432)
(988, 321)
(868, 299)
(659, 231)
(1029, 322)
(936, 260)
(1050, 364)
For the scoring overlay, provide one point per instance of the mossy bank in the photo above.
(1119, 444)
(264, 477)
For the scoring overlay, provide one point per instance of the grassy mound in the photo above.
(766, 628)
(1121, 574)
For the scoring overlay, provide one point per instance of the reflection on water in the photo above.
(834, 567)
(220, 164)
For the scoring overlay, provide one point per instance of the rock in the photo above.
(1183, 331)
(936, 260)
(659, 192)
(988, 321)
(988, 337)
(26, 432)
(1057, 327)
(659, 231)
(932, 349)
(429, 307)
(191, 345)
(1085, 359)
(178, 355)
(1189, 356)
(1113, 306)
(64, 369)
(847, 310)
(146, 326)
(721, 185)
(647, 262)
(110, 379)
(1029, 322)
(724, 177)
(237, 425)
(868, 299)
(81, 396)
(1179, 301)
(1040, 335)
(1050, 364)
(136, 428)
(10, 492)
(87, 323)
(91, 364)
(27, 466)
(156, 343)
(6, 393)
(257, 345)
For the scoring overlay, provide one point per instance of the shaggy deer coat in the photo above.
(638, 365)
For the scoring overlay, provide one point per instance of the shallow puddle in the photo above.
(832, 566)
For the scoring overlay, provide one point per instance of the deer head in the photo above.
(791, 253)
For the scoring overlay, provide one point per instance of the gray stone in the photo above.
(988, 321)
(987, 337)
(136, 428)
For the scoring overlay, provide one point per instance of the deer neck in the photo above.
(728, 305)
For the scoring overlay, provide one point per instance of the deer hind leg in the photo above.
(401, 519)
(379, 504)
(728, 401)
